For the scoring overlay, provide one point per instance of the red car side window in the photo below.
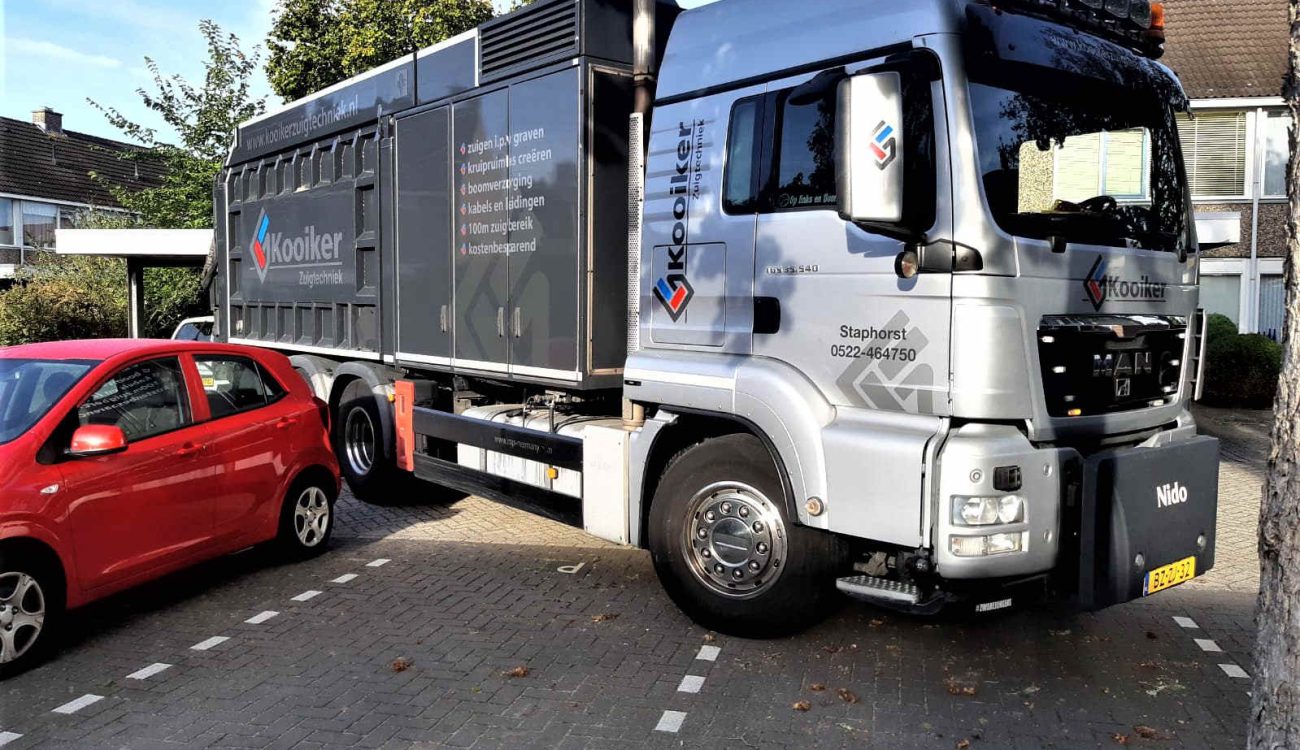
(143, 399)
(235, 384)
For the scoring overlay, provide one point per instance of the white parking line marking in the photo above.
(345, 578)
(1208, 645)
(71, 707)
(1187, 622)
(691, 684)
(215, 640)
(261, 617)
(671, 722)
(1232, 670)
(7, 737)
(147, 672)
(304, 596)
(381, 562)
(708, 653)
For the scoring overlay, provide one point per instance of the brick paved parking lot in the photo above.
(477, 625)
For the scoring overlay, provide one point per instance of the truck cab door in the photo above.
(838, 311)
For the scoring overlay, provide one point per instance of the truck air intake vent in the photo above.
(539, 34)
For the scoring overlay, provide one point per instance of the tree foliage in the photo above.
(204, 117)
(316, 43)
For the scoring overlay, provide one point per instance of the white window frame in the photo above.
(1264, 115)
(1239, 267)
(17, 209)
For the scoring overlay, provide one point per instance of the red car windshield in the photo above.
(29, 387)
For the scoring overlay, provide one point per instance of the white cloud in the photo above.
(49, 50)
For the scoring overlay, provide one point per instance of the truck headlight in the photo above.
(992, 544)
(987, 511)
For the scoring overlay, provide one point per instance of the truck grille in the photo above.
(1101, 364)
(541, 33)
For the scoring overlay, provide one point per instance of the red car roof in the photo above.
(103, 349)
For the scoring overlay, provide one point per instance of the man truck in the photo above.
(894, 299)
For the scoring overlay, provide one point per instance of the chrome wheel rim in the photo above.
(359, 441)
(22, 614)
(734, 540)
(311, 516)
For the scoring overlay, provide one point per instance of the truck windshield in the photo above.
(1102, 167)
(30, 387)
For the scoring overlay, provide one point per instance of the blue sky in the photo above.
(56, 53)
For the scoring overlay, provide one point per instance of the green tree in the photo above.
(316, 43)
(204, 117)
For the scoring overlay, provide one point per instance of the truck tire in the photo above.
(725, 549)
(372, 476)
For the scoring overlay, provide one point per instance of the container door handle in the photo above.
(518, 325)
(501, 322)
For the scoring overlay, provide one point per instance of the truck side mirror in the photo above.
(872, 150)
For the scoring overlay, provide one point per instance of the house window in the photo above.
(1272, 305)
(1102, 163)
(39, 220)
(6, 221)
(1214, 149)
(1222, 295)
(1277, 150)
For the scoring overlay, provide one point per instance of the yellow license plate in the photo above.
(1169, 575)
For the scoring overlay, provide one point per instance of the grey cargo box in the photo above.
(473, 222)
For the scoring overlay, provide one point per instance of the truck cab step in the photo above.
(880, 590)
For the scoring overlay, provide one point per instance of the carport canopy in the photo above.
(142, 248)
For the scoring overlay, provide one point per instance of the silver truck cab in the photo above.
(940, 256)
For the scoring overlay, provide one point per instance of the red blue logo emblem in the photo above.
(674, 292)
(1095, 284)
(884, 146)
(261, 258)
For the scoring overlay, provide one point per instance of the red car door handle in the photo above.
(189, 450)
(286, 422)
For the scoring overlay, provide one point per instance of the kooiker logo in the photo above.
(311, 249)
(1102, 287)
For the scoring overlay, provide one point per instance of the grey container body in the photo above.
(460, 210)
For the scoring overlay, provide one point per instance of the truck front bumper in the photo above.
(1108, 527)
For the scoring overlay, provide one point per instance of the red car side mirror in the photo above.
(97, 440)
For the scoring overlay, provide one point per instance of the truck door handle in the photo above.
(284, 423)
(501, 322)
(189, 449)
(442, 319)
(515, 322)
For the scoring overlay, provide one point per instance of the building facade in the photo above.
(1231, 56)
(49, 176)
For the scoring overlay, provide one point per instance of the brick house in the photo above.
(1232, 56)
(45, 181)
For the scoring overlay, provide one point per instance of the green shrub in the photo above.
(1241, 370)
(1221, 327)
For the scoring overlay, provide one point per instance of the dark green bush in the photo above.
(1241, 370)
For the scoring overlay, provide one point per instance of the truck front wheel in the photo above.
(725, 549)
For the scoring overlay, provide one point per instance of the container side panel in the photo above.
(447, 71)
(424, 233)
(482, 155)
(543, 236)
(611, 104)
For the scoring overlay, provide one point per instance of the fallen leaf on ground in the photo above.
(963, 744)
(606, 617)
(801, 705)
(832, 649)
(877, 622)
(1120, 739)
(956, 688)
(516, 672)
(401, 664)
(710, 638)
(817, 687)
(847, 695)
(1148, 733)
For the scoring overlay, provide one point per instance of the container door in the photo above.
(481, 157)
(424, 237)
(542, 200)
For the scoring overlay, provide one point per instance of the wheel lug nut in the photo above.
(705, 553)
(762, 548)
(753, 565)
(738, 574)
(709, 516)
(758, 527)
(726, 507)
(704, 534)
(744, 511)
(718, 569)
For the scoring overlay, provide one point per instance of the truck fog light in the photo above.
(986, 511)
(985, 546)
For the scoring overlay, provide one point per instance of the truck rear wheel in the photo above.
(359, 444)
(726, 550)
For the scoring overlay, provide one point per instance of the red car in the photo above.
(123, 460)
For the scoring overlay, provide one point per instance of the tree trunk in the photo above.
(1275, 701)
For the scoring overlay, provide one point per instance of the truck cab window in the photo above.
(740, 193)
(805, 154)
